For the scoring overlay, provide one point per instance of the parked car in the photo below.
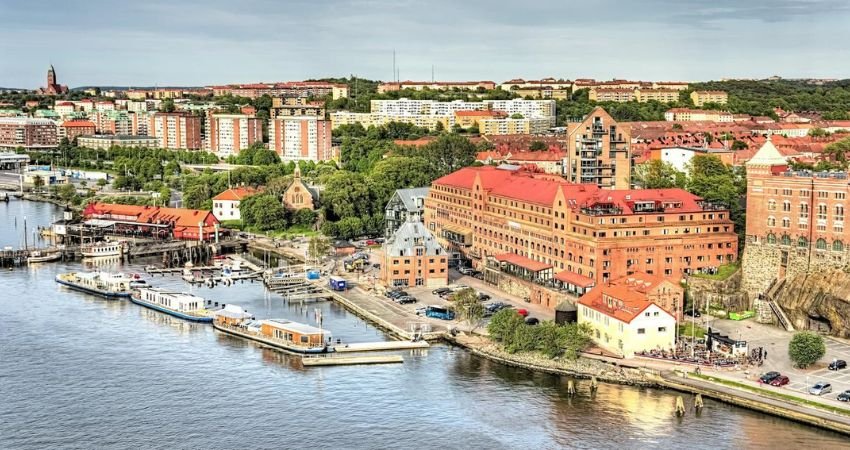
(781, 380)
(692, 313)
(483, 297)
(838, 364)
(820, 388)
(477, 274)
(441, 291)
(407, 299)
(396, 294)
(770, 376)
(420, 310)
(371, 242)
(844, 396)
(466, 270)
(379, 240)
(523, 312)
(531, 321)
(496, 306)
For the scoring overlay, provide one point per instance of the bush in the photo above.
(549, 338)
(806, 348)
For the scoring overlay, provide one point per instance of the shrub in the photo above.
(806, 348)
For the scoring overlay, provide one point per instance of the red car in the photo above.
(522, 312)
(371, 242)
(781, 380)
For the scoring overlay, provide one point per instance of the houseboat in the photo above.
(279, 333)
(39, 256)
(184, 306)
(113, 285)
(99, 249)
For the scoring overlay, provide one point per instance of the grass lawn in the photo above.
(773, 393)
(723, 272)
(689, 327)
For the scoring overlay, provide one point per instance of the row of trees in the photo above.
(265, 212)
(509, 328)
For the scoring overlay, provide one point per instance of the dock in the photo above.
(350, 360)
(381, 346)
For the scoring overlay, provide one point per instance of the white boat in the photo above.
(39, 256)
(114, 248)
(185, 306)
(100, 283)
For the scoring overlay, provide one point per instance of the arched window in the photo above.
(838, 246)
(771, 238)
(786, 205)
(821, 244)
(771, 221)
(802, 242)
(786, 240)
(771, 205)
(786, 222)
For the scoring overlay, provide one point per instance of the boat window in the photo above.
(304, 339)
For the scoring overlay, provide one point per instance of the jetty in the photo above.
(310, 361)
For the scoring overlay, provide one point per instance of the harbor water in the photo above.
(78, 371)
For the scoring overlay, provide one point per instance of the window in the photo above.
(786, 240)
(771, 221)
(821, 244)
(837, 246)
(641, 331)
(662, 329)
(786, 205)
(786, 222)
(802, 242)
(821, 211)
(839, 213)
(771, 205)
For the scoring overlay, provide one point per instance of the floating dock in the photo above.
(351, 360)
(380, 346)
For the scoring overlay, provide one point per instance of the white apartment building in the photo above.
(301, 138)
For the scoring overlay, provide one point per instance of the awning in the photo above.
(99, 223)
(575, 279)
(456, 229)
(522, 261)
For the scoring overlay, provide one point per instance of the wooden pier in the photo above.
(381, 346)
(350, 360)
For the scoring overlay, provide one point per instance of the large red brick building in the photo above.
(573, 236)
(795, 220)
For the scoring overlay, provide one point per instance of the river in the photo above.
(77, 371)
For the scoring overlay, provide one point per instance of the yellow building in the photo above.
(643, 95)
(545, 92)
(624, 322)
(491, 127)
(659, 95)
(702, 97)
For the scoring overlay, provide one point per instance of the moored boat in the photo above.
(182, 305)
(39, 256)
(280, 333)
(99, 283)
(113, 248)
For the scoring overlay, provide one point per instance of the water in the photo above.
(77, 371)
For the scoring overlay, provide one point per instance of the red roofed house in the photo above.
(179, 223)
(624, 321)
(71, 129)
(664, 292)
(226, 204)
(580, 234)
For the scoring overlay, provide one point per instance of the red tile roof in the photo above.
(236, 193)
(179, 217)
(522, 261)
(575, 279)
(78, 124)
(626, 305)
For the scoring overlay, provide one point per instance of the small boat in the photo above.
(137, 282)
(39, 256)
(114, 248)
(4, 197)
(181, 305)
(280, 333)
(100, 283)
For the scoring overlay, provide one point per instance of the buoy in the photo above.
(571, 387)
(594, 384)
(698, 402)
(680, 406)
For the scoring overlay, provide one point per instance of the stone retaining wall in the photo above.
(726, 293)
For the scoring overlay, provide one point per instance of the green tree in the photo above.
(517, 116)
(467, 307)
(167, 105)
(398, 172)
(449, 152)
(102, 182)
(537, 146)
(265, 157)
(349, 227)
(657, 174)
(739, 145)
(264, 212)
(304, 217)
(38, 182)
(806, 348)
(194, 196)
(503, 324)
(347, 194)
(318, 247)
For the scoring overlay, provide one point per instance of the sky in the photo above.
(204, 42)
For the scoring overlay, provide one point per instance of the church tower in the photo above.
(51, 77)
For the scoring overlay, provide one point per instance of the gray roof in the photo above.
(408, 197)
(412, 234)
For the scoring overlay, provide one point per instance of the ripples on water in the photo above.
(77, 371)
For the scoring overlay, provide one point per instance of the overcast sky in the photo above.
(200, 42)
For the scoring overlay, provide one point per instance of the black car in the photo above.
(406, 300)
(770, 376)
(483, 297)
(844, 396)
(838, 364)
(531, 321)
(692, 313)
(396, 294)
(441, 291)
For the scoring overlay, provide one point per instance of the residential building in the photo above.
(784, 129)
(296, 106)
(106, 141)
(664, 292)
(598, 151)
(64, 109)
(700, 98)
(795, 221)
(625, 322)
(53, 87)
(301, 138)
(176, 130)
(545, 229)
(551, 161)
(436, 86)
(27, 133)
(113, 122)
(179, 223)
(680, 156)
(71, 129)
(507, 126)
(644, 95)
(470, 118)
(299, 195)
(544, 92)
(405, 205)
(611, 95)
(413, 257)
(226, 204)
(228, 134)
(697, 115)
(288, 89)
(552, 83)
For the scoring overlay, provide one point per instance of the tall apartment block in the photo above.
(176, 130)
(228, 134)
(598, 151)
(301, 138)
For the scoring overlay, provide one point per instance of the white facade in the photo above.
(651, 329)
(226, 210)
(301, 138)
